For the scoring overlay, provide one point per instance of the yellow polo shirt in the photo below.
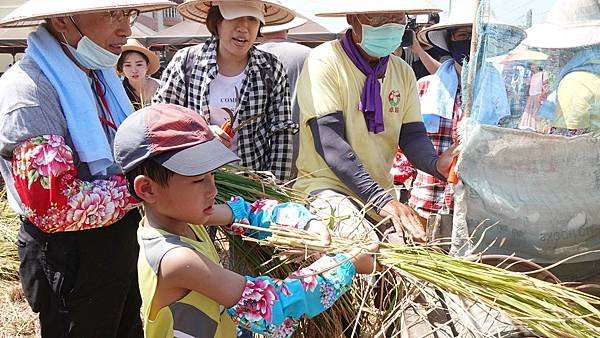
(578, 101)
(330, 82)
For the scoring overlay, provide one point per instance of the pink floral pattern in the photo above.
(54, 198)
(286, 329)
(273, 307)
(257, 300)
(263, 205)
(307, 277)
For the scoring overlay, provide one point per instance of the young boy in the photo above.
(169, 154)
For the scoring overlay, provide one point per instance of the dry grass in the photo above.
(16, 317)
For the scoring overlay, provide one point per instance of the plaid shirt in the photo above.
(265, 142)
(429, 195)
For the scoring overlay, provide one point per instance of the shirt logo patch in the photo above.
(394, 98)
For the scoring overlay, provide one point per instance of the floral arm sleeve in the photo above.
(54, 198)
(273, 307)
(282, 127)
(263, 213)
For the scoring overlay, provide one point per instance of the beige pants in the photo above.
(346, 216)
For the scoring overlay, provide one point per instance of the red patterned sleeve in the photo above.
(54, 198)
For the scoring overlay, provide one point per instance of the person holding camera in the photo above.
(424, 59)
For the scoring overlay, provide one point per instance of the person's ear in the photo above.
(59, 24)
(145, 188)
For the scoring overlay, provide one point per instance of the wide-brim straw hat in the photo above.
(33, 12)
(297, 22)
(569, 24)
(275, 13)
(343, 8)
(136, 46)
(437, 35)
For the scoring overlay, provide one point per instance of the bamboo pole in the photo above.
(468, 98)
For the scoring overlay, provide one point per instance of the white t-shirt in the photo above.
(223, 94)
(536, 83)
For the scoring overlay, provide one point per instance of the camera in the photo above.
(414, 23)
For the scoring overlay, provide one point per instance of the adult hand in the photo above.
(445, 162)
(319, 228)
(405, 220)
(416, 46)
(222, 135)
(364, 259)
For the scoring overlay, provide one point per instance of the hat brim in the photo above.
(197, 10)
(549, 36)
(153, 60)
(34, 12)
(412, 7)
(512, 36)
(197, 160)
(297, 22)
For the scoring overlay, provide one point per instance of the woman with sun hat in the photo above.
(137, 63)
(242, 91)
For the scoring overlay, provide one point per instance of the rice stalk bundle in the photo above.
(550, 310)
(237, 181)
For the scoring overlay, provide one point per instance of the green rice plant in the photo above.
(549, 310)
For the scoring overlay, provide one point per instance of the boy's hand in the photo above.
(364, 259)
(319, 228)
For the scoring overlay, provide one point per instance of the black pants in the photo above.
(83, 283)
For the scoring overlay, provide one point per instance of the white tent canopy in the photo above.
(191, 32)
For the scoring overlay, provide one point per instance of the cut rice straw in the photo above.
(549, 310)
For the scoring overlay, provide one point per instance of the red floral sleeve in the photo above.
(54, 198)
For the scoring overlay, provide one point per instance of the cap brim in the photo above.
(232, 11)
(197, 160)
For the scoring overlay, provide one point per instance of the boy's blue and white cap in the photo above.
(176, 137)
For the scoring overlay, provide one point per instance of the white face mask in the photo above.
(90, 55)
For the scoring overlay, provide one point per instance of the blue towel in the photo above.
(490, 102)
(585, 61)
(78, 101)
(438, 100)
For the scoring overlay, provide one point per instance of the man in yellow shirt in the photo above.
(358, 103)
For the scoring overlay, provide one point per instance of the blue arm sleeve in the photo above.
(263, 213)
(418, 149)
(273, 307)
(331, 143)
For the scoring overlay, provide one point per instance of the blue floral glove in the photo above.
(273, 307)
(263, 213)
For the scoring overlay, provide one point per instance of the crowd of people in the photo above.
(89, 139)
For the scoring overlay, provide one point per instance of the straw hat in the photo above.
(136, 46)
(343, 8)
(569, 24)
(33, 12)
(297, 22)
(437, 35)
(274, 12)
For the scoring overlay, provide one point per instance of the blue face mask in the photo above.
(383, 40)
(90, 55)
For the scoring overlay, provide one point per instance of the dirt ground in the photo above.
(16, 317)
